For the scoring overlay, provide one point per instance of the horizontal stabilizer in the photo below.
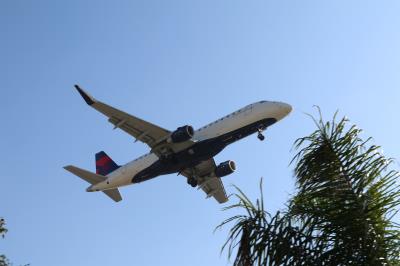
(113, 194)
(93, 178)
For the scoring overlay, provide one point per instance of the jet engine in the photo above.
(225, 168)
(181, 134)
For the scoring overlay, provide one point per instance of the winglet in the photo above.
(88, 99)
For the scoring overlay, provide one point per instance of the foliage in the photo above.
(3, 260)
(341, 214)
(3, 230)
(262, 239)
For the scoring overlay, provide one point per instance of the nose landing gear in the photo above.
(260, 136)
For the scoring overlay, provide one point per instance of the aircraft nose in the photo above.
(284, 109)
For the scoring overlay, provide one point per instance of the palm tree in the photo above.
(341, 214)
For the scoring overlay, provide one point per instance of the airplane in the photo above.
(184, 151)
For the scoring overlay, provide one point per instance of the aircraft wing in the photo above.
(139, 129)
(211, 185)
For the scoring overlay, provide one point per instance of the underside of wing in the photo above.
(139, 129)
(214, 187)
(154, 136)
(207, 181)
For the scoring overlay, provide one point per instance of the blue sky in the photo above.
(172, 63)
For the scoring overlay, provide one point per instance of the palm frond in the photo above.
(341, 214)
(345, 185)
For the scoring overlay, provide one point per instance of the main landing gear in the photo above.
(260, 136)
(192, 182)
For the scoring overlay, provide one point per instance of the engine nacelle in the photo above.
(225, 168)
(181, 134)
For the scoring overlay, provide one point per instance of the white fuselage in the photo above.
(234, 121)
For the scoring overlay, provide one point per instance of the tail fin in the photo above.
(104, 164)
(93, 178)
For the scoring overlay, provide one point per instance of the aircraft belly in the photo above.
(237, 123)
(201, 151)
(123, 177)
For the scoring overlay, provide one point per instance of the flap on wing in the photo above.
(214, 187)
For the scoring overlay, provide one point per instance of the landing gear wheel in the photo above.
(260, 130)
(192, 182)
